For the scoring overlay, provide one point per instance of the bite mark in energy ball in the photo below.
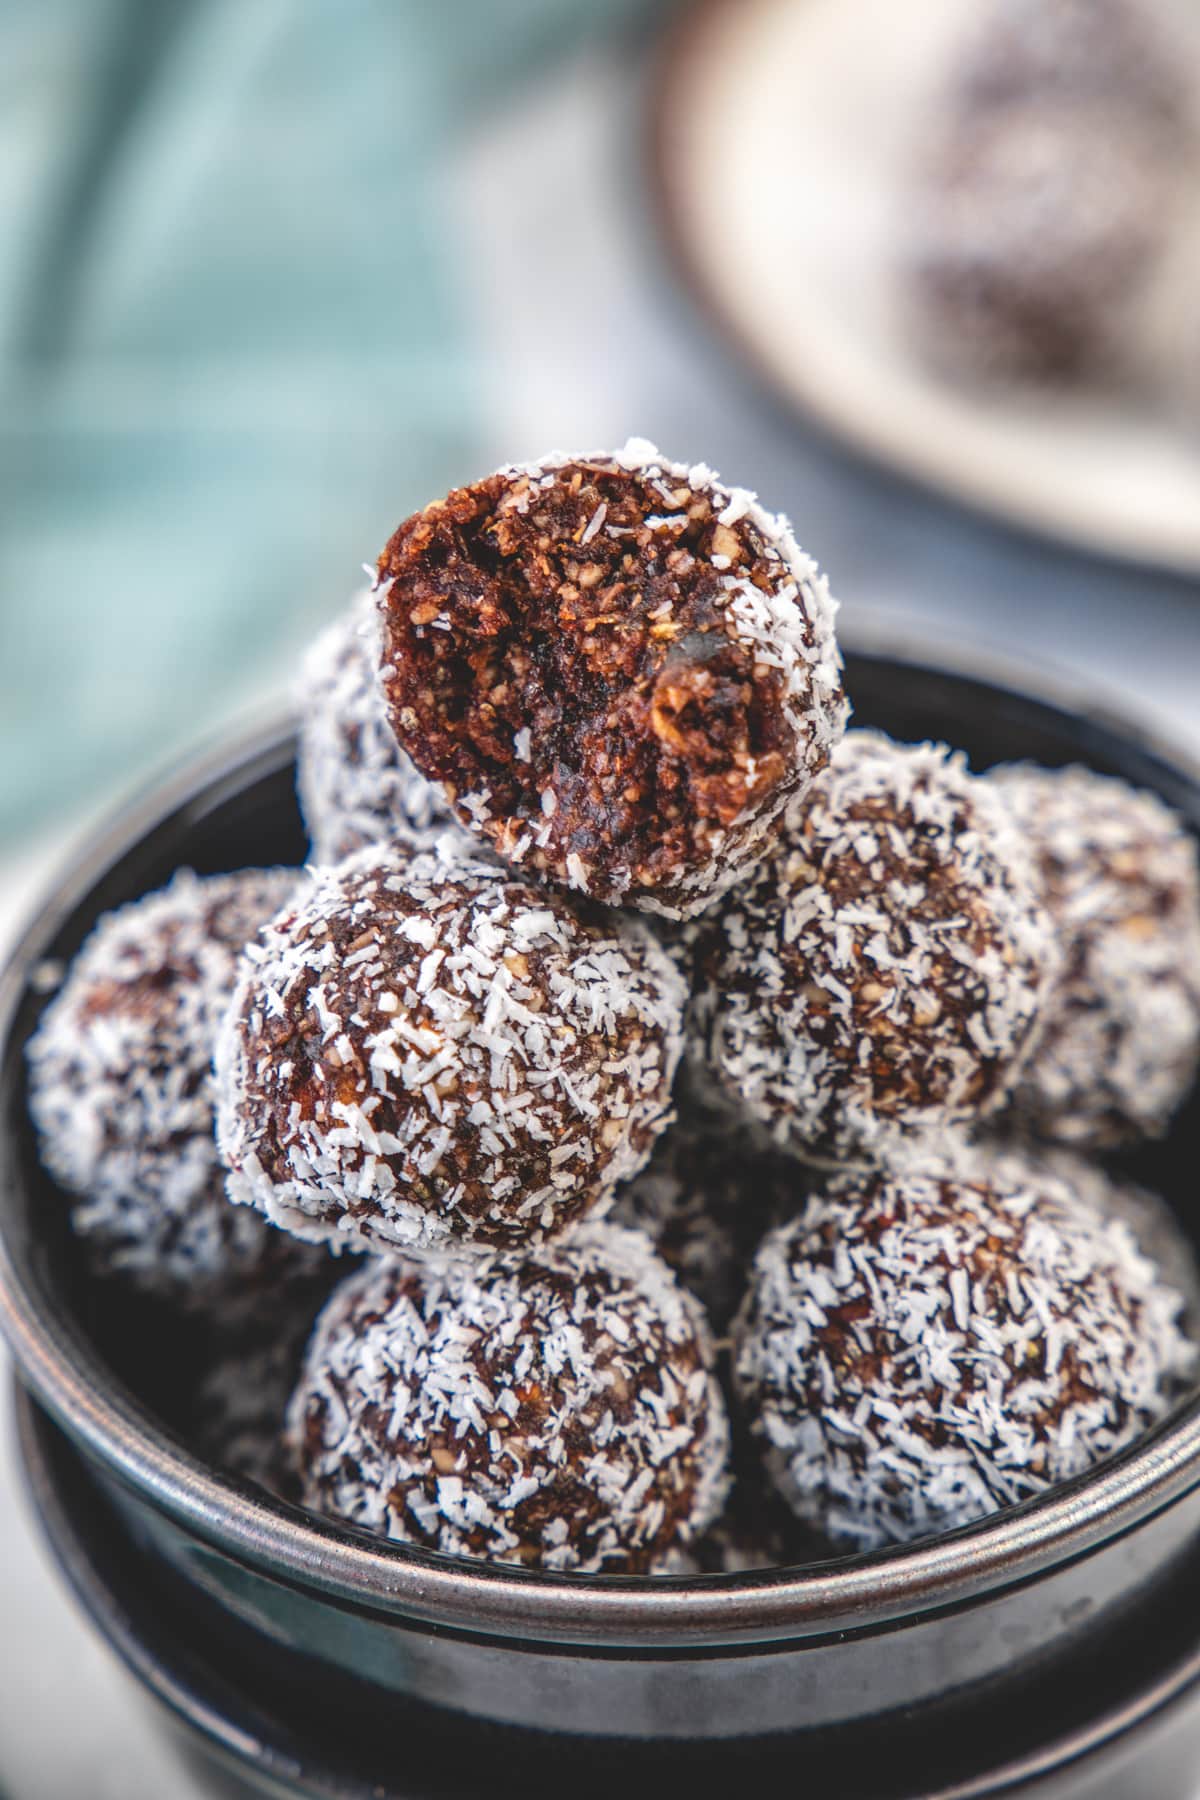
(1121, 879)
(424, 1052)
(920, 1349)
(556, 1409)
(618, 669)
(356, 785)
(120, 1084)
(882, 974)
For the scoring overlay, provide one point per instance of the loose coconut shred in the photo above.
(618, 669)
(883, 973)
(917, 1350)
(356, 785)
(120, 1085)
(1121, 1040)
(427, 1052)
(557, 1410)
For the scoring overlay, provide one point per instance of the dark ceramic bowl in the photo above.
(1128, 1725)
(1016, 1604)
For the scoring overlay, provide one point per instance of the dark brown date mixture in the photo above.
(618, 669)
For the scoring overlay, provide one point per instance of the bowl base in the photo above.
(256, 1720)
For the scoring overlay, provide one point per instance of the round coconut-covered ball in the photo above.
(1118, 54)
(883, 973)
(920, 1348)
(248, 1358)
(356, 785)
(707, 1197)
(424, 1052)
(618, 668)
(121, 1090)
(556, 1409)
(1120, 877)
(1032, 236)
(1156, 1227)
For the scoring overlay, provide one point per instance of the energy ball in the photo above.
(121, 1091)
(883, 973)
(1035, 232)
(919, 1349)
(1118, 54)
(1121, 879)
(424, 1053)
(251, 1351)
(706, 1199)
(556, 1409)
(618, 669)
(356, 785)
(1156, 1228)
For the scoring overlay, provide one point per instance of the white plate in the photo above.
(781, 125)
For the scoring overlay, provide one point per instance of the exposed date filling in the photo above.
(561, 650)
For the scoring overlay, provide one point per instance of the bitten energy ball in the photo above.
(557, 1409)
(1033, 234)
(1121, 880)
(706, 1199)
(618, 668)
(120, 1085)
(425, 1052)
(920, 1349)
(356, 785)
(883, 973)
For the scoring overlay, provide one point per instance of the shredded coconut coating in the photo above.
(918, 1350)
(356, 785)
(556, 1409)
(883, 973)
(619, 670)
(1033, 231)
(706, 1198)
(121, 1092)
(1121, 879)
(424, 1053)
(1156, 1227)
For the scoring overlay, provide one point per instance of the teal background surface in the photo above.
(233, 352)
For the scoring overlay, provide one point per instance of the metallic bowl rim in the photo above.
(611, 1612)
(194, 1705)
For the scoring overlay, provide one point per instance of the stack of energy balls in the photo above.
(679, 1069)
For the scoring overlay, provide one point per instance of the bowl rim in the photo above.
(229, 1721)
(610, 1612)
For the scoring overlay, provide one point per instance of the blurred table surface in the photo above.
(611, 347)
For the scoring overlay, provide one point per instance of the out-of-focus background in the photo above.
(273, 275)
